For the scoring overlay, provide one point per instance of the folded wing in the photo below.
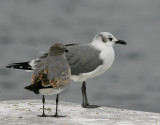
(55, 74)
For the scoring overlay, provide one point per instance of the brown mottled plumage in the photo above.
(56, 82)
(51, 75)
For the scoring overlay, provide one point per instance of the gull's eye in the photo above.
(65, 50)
(110, 39)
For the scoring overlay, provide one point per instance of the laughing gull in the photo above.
(86, 60)
(51, 75)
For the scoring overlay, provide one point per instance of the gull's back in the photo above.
(52, 71)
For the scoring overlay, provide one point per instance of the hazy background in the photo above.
(133, 82)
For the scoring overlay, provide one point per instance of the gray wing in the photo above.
(55, 66)
(59, 73)
(58, 67)
(40, 66)
(33, 63)
(83, 58)
(53, 71)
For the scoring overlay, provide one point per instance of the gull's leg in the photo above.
(56, 114)
(43, 114)
(85, 103)
(57, 99)
(83, 99)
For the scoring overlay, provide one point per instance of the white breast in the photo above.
(107, 55)
(50, 91)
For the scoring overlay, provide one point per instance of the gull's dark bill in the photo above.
(121, 42)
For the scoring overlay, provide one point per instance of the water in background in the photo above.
(133, 82)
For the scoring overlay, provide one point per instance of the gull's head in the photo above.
(57, 49)
(107, 39)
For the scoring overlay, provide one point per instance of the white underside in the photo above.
(50, 91)
(29, 70)
(107, 55)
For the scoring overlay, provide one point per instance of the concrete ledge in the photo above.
(25, 113)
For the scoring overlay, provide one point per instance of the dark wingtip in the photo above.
(8, 66)
(26, 87)
(36, 91)
(21, 65)
(71, 44)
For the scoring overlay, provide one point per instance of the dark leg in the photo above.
(83, 99)
(56, 114)
(85, 103)
(43, 101)
(57, 99)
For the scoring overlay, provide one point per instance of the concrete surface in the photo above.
(24, 112)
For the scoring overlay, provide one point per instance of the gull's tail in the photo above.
(21, 65)
(34, 87)
(29, 65)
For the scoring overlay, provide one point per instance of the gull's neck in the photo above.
(99, 45)
(107, 54)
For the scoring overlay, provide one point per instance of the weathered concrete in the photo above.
(25, 113)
